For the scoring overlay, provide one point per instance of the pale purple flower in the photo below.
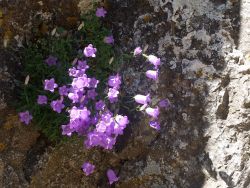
(154, 60)
(112, 176)
(82, 65)
(115, 81)
(50, 85)
(164, 103)
(91, 94)
(79, 125)
(109, 39)
(88, 168)
(153, 74)
(93, 83)
(94, 139)
(77, 113)
(108, 142)
(66, 130)
(42, 99)
(100, 12)
(142, 99)
(122, 120)
(103, 140)
(153, 112)
(89, 51)
(73, 72)
(25, 117)
(113, 95)
(63, 91)
(137, 51)
(155, 125)
(76, 95)
(121, 123)
(51, 60)
(80, 82)
(57, 106)
(106, 124)
(100, 105)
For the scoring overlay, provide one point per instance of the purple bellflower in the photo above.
(153, 112)
(57, 106)
(109, 39)
(142, 99)
(51, 60)
(153, 74)
(89, 51)
(100, 12)
(63, 91)
(25, 117)
(137, 51)
(42, 99)
(154, 60)
(113, 95)
(112, 176)
(155, 125)
(115, 81)
(88, 168)
(50, 85)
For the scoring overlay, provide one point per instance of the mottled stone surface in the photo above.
(16, 141)
(204, 136)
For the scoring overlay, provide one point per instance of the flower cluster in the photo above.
(89, 113)
(145, 100)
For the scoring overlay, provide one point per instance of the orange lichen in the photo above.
(2, 147)
(11, 121)
(147, 18)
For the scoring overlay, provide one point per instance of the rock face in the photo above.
(204, 140)
(205, 73)
(16, 142)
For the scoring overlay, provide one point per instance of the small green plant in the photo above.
(64, 49)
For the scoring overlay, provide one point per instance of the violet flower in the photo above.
(80, 82)
(91, 94)
(153, 74)
(115, 81)
(51, 60)
(89, 51)
(142, 99)
(113, 95)
(77, 113)
(155, 125)
(50, 85)
(153, 112)
(100, 12)
(109, 39)
(42, 99)
(57, 106)
(137, 51)
(121, 123)
(100, 105)
(63, 91)
(73, 72)
(25, 117)
(164, 103)
(154, 60)
(93, 83)
(66, 130)
(88, 168)
(82, 65)
(112, 176)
